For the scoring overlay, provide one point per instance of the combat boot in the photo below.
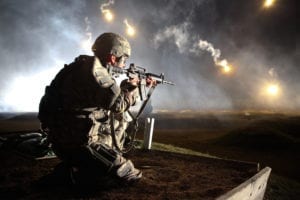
(127, 173)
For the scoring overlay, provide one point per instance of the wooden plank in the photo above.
(252, 189)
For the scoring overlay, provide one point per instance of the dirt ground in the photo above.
(267, 138)
(165, 175)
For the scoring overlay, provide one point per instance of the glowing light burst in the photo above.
(108, 15)
(273, 89)
(130, 30)
(24, 92)
(226, 68)
(268, 3)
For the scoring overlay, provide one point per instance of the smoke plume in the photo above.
(178, 34)
(105, 5)
(183, 39)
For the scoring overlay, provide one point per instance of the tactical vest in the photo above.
(78, 89)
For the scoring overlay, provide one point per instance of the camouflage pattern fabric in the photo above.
(75, 112)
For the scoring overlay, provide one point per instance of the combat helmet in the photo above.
(111, 43)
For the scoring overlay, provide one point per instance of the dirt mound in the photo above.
(265, 134)
(165, 176)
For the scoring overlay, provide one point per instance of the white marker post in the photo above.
(148, 133)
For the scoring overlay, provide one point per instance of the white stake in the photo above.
(148, 133)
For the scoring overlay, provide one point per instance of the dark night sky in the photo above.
(38, 36)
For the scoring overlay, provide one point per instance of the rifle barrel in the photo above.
(158, 78)
(168, 82)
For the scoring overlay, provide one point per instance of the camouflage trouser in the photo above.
(101, 132)
(96, 163)
(97, 158)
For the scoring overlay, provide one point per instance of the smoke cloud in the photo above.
(215, 53)
(179, 35)
(104, 5)
(186, 40)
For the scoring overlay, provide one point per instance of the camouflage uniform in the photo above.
(76, 110)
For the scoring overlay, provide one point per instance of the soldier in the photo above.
(83, 106)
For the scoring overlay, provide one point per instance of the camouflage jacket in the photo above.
(79, 89)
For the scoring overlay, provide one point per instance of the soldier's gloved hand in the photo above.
(150, 82)
(134, 81)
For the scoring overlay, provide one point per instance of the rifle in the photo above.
(140, 73)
